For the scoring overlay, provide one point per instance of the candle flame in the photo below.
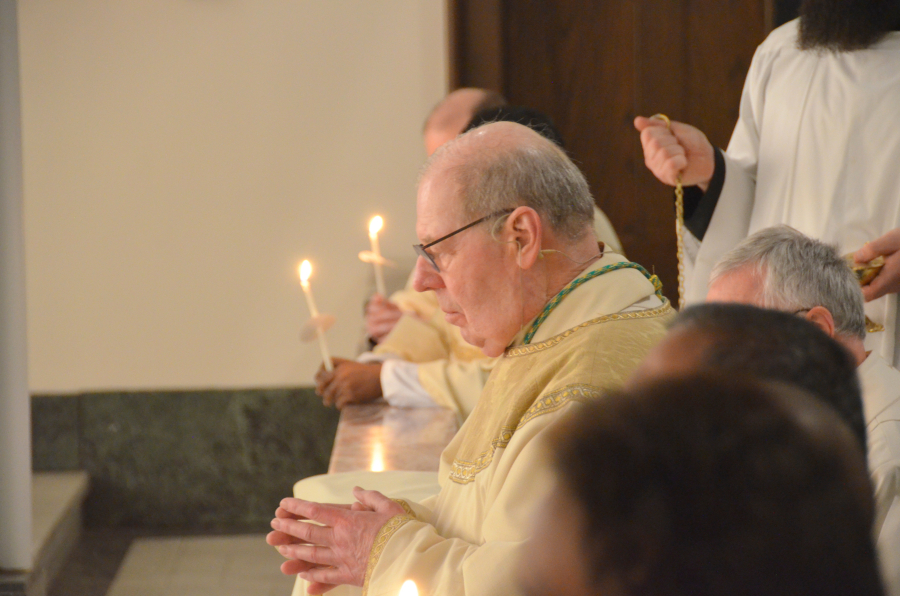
(375, 225)
(409, 588)
(305, 271)
(377, 459)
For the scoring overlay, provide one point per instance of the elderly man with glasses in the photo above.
(417, 358)
(782, 269)
(504, 219)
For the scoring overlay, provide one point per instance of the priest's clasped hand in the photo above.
(337, 551)
(680, 150)
(350, 382)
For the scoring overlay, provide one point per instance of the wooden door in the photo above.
(593, 65)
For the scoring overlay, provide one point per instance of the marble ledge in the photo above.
(381, 437)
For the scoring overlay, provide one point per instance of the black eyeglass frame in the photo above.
(420, 249)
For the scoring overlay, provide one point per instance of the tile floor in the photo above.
(201, 565)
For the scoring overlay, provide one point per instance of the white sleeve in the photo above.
(886, 481)
(889, 550)
(369, 357)
(401, 387)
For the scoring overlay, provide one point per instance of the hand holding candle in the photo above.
(305, 270)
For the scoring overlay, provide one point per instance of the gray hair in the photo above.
(533, 174)
(799, 272)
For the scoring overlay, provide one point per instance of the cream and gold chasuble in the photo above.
(466, 540)
(452, 371)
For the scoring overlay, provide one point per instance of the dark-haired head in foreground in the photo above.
(701, 486)
(533, 119)
(736, 339)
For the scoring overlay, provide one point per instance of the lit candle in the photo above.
(377, 458)
(305, 272)
(375, 225)
(409, 588)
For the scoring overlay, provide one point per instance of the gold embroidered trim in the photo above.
(406, 507)
(463, 472)
(549, 343)
(558, 399)
(380, 542)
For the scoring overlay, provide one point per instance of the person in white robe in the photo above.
(504, 218)
(815, 147)
(781, 268)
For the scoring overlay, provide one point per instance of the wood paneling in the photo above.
(593, 66)
(476, 44)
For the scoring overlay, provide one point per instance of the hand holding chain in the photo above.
(679, 223)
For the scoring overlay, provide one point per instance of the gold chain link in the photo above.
(679, 223)
(679, 238)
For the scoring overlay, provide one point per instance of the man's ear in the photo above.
(525, 229)
(821, 318)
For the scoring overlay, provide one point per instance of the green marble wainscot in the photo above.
(54, 431)
(185, 460)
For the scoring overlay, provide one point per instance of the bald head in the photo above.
(491, 205)
(451, 116)
(503, 165)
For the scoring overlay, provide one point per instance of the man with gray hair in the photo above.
(504, 221)
(782, 269)
(419, 359)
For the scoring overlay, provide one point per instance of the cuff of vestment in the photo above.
(370, 357)
(381, 540)
(418, 511)
(699, 206)
(409, 510)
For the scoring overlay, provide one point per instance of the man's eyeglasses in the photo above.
(420, 249)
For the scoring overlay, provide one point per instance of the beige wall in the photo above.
(181, 157)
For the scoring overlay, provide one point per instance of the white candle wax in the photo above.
(374, 227)
(305, 272)
(310, 303)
